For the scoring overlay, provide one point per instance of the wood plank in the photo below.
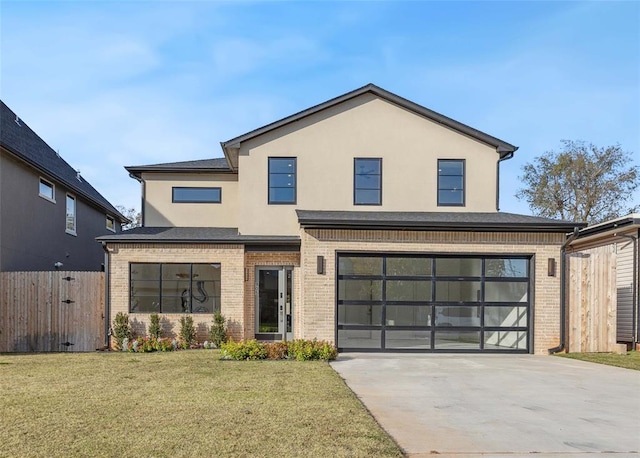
(34, 318)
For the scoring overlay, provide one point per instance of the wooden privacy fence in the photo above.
(592, 300)
(51, 311)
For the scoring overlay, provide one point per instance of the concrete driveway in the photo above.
(498, 405)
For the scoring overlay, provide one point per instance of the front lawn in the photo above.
(186, 403)
(631, 360)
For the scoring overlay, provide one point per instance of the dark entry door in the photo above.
(274, 304)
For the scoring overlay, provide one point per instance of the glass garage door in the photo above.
(433, 303)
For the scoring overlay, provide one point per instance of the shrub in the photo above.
(155, 330)
(300, 350)
(308, 350)
(187, 332)
(218, 333)
(121, 328)
(149, 344)
(277, 350)
(251, 349)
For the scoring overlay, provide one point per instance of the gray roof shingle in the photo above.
(218, 165)
(194, 235)
(433, 221)
(19, 139)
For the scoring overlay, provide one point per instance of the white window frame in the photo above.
(112, 219)
(75, 214)
(53, 190)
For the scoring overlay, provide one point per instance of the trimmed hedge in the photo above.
(300, 350)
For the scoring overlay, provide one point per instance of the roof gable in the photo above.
(505, 149)
(21, 141)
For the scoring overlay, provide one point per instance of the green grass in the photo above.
(631, 360)
(180, 404)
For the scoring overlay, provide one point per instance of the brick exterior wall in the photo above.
(318, 305)
(230, 257)
(313, 293)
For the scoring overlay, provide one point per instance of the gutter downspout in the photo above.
(506, 157)
(107, 310)
(634, 294)
(563, 292)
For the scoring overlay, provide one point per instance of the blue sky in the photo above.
(110, 84)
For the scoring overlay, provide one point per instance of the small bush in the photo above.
(187, 332)
(155, 330)
(309, 350)
(149, 344)
(300, 350)
(121, 328)
(218, 333)
(277, 350)
(251, 349)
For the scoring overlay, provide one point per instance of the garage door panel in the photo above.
(430, 303)
(510, 317)
(357, 314)
(458, 291)
(408, 290)
(408, 339)
(408, 315)
(457, 340)
(360, 338)
(506, 291)
(505, 340)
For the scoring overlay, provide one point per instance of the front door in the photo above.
(274, 303)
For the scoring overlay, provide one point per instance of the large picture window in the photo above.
(174, 288)
(282, 180)
(367, 181)
(424, 302)
(451, 182)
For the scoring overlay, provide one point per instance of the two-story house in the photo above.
(49, 214)
(367, 220)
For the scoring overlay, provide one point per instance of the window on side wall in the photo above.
(71, 215)
(47, 190)
(174, 288)
(111, 223)
(367, 181)
(196, 195)
(282, 180)
(451, 182)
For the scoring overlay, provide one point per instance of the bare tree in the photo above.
(131, 214)
(582, 182)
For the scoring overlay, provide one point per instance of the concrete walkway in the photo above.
(498, 405)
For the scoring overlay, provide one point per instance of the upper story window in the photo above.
(197, 195)
(71, 215)
(367, 181)
(111, 223)
(47, 190)
(451, 182)
(282, 180)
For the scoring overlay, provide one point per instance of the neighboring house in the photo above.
(368, 220)
(620, 237)
(49, 214)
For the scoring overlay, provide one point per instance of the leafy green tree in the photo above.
(582, 182)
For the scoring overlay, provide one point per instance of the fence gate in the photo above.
(51, 311)
(592, 300)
